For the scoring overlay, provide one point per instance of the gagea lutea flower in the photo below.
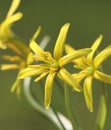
(53, 65)
(14, 52)
(90, 67)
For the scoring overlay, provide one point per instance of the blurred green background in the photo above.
(88, 20)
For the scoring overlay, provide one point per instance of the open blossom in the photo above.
(90, 67)
(14, 53)
(53, 65)
(6, 32)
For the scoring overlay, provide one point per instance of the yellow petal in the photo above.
(88, 93)
(59, 46)
(69, 49)
(13, 18)
(18, 47)
(36, 34)
(81, 75)
(41, 55)
(46, 57)
(11, 58)
(41, 76)
(69, 79)
(5, 30)
(102, 56)
(94, 48)
(80, 62)
(36, 48)
(73, 56)
(9, 66)
(17, 86)
(48, 88)
(14, 6)
(102, 76)
(28, 72)
(3, 45)
(29, 58)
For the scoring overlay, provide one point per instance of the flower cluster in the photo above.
(34, 61)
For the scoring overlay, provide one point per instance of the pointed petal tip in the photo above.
(47, 106)
(38, 30)
(100, 37)
(67, 24)
(78, 89)
(91, 109)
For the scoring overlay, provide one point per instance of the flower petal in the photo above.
(73, 56)
(69, 49)
(3, 45)
(14, 6)
(94, 48)
(11, 58)
(102, 56)
(88, 93)
(59, 46)
(37, 49)
(29, 58)
(48, 88)
(41, 76)
(16, 87)
(32, 72)
(69, 79)
(81, 75)
(5, 30)
(9, 67)
(81, 62)
(102, 76)
(36, 33)
(18, 47)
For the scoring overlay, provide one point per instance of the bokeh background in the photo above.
(88, 20)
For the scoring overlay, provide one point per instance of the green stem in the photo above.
(50, 114)
(59, 86)
(71, 115)
(60, 121)
(102, 111)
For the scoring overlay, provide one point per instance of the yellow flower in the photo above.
(19, 58)
(20, 55)
(5, 27)
(90, 67)
(53, 65)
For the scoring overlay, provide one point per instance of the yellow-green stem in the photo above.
(71, 115)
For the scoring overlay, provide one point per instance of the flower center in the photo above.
(91, 69)
(54, 66)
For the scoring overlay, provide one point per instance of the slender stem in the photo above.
(57, 118)
(102, 111)
(71, 115)
(48, 113)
